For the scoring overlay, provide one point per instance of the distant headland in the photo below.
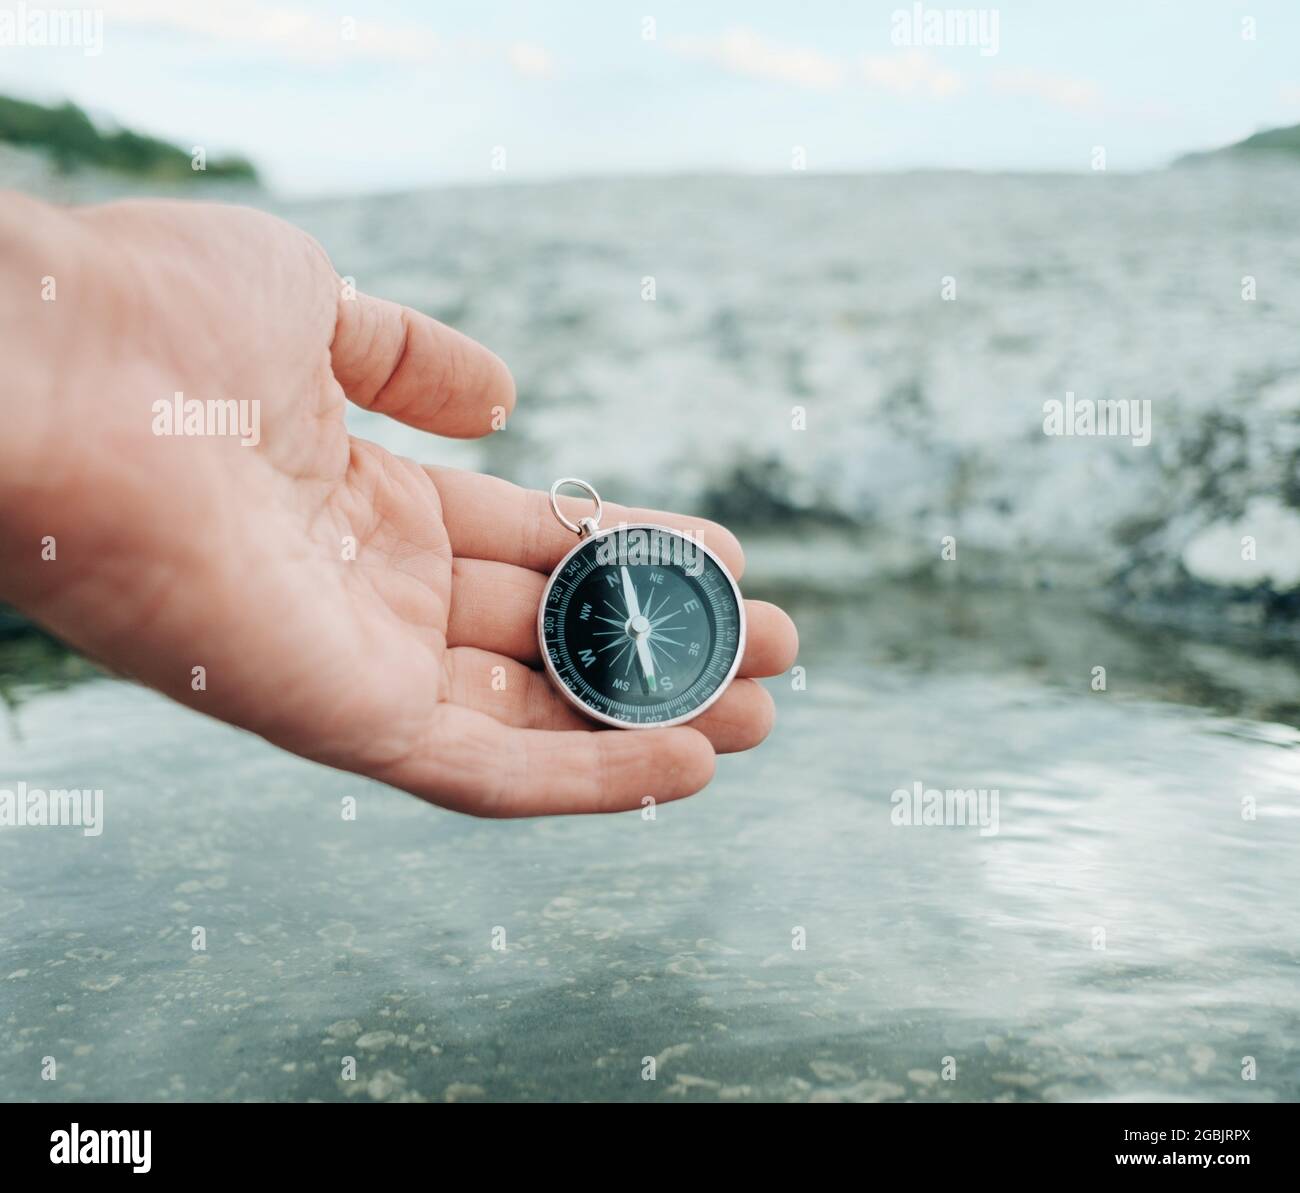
(73, 141)
(1270, 144)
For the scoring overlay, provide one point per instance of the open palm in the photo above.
(347, 604)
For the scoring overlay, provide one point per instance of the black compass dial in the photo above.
(641, 626)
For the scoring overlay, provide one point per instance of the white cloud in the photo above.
(906, 74)
(295, 33)
(1289, 93)
(301, 35)
(532, 60)
(744, 52)
(1078, 95)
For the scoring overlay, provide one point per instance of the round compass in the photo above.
(639, 625)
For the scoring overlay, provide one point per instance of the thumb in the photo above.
(412, 368)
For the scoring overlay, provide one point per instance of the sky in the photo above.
(334, 96)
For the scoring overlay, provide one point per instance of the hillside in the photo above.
(1271, 144)
(72, 140)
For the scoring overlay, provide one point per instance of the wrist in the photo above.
(47, 283)
(46, 287)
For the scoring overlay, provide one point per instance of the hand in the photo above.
(344, 603)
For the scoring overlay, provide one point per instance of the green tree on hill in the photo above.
(72, 140)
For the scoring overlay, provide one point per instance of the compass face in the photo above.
(641, 626)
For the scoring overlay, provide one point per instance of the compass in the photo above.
(640, 625)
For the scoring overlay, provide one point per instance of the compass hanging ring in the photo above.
(584, 527)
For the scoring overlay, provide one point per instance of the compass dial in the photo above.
(641, 626)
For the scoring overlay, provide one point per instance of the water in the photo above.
(1130, 930)
(625, 938)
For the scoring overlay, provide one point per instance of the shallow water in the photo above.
(627, 938)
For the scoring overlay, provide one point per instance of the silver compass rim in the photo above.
(604, 718)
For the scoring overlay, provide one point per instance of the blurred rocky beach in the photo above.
(856, 369)
(802, 373)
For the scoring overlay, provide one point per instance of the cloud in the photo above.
(534, 61)
(1078, 95)
(906, 74)
(1289, 93)
(301, 35)
(288, 32)
(744, 52)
